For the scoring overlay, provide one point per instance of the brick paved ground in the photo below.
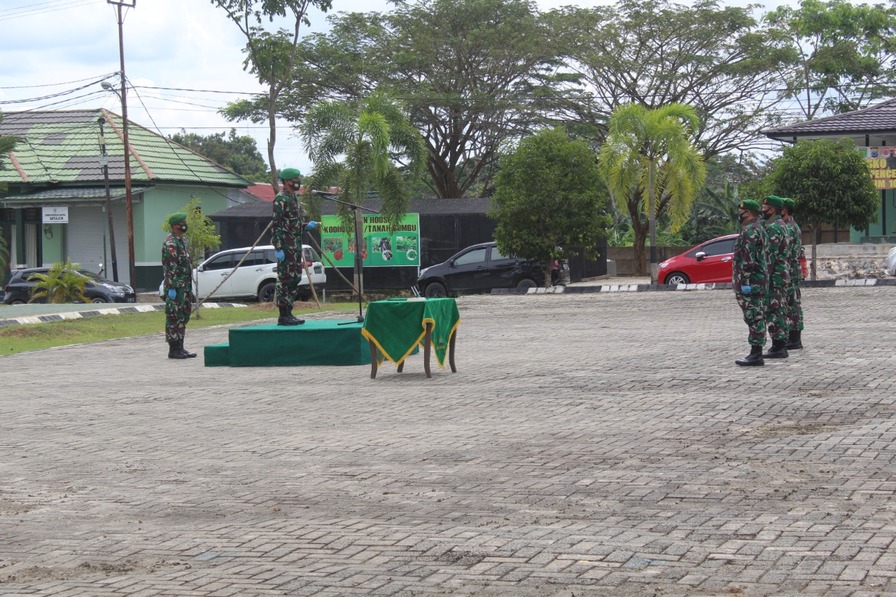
(590, 444)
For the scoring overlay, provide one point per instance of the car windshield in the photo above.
(91, 276)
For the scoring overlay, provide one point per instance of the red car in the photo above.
(709, 261)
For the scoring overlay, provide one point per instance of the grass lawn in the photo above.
(23, 338)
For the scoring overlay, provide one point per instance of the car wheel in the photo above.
(676, 278)
(17, 302)
(526, 284)
(435, 290)
(266, 294)
(98, 299)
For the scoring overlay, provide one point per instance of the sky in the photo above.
(183, 59)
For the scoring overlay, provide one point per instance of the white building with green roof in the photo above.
(55, 168)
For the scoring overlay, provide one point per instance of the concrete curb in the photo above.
(130, 308)
(685, 287)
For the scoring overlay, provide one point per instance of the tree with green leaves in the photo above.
(718, 60)
(549, 198)
(358, 147)
(651, 167)
(237, 153)
(831, 184)
(474, 75)
(270, 56)
(61, 284)
(361, 146)
(841, 56)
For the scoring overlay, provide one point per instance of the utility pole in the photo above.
(104, 162)
(129, 200)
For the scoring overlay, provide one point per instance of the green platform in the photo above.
(312, 344)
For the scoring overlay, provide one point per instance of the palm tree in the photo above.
(372, 137)
(650, 165)
(61, 284)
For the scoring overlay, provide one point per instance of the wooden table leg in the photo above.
(451, 351)
(427, 349)
(373, 356)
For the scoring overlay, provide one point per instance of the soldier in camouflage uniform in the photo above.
(778, 276)
(178, 286)
(794, 299)
(748, 276)
(287, 240)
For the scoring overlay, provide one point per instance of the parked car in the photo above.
(708, 262)
(255, 278)
(479, 268)
(97, 289)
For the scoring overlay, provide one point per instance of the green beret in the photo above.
(177, 218)
(750, 205)
(789, 203)
(290, 173)
(774, 201)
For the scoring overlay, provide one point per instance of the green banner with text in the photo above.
(381, 247)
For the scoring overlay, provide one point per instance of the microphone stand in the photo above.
(359, 258)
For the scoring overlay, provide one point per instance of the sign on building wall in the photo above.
(55, 215)
(882, 160)
(381, 247)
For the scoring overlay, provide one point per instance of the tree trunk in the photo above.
(640, 229)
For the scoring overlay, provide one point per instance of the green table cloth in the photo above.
(396, 327)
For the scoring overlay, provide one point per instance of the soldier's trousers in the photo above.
(177, 315)
(794, 308)
(776, 314)
(753, 307)
(289, 275)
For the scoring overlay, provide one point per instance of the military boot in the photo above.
(795, 341)
(286, 317)
(754, 359)
(777, 351)
(190, 355)
(174, 350)
(298, 320)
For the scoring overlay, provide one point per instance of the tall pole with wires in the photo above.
(104, 163)
(129, 199)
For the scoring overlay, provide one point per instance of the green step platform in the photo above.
(311, 344)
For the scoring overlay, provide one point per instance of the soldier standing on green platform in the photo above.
(748, 276)
(778, 276)
(178, 286)
(794, 298)
(287, 240)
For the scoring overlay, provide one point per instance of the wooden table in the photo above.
(396, 328)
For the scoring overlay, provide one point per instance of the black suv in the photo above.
(479, 268)
(96, 290)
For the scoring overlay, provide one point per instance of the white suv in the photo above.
(254, 278)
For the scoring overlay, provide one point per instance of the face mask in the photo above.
(741, 217)
(767, 214)
(183, 228)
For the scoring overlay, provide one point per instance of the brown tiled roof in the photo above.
(879, 119)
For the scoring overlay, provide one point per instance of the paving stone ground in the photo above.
(589, 444)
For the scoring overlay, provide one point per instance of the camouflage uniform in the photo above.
(748, 268)
(778, 278)
(287, 237)
(794, 306)
(178, 275)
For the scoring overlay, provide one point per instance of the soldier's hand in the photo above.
(311, 225)
(172, 293)
(280, 255)
(746, 289)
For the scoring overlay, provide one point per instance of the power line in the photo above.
(32, 9)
